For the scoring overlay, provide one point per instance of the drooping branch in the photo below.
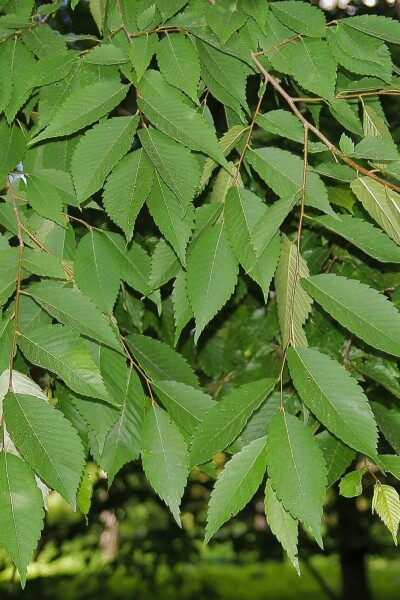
(331, 147)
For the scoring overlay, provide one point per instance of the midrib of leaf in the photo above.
(212, 265)
(294, 462)
(166, 463)
(41, 445)
(171, 220)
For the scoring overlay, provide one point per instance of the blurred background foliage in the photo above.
(130, 546)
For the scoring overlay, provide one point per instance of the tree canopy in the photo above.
(200, 230)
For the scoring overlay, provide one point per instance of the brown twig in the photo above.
(123, 26)
(247, 144)
(137, 368)
(331, 147)
(294, 37)
(347, 96)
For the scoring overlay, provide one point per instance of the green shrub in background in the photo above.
(200, 220)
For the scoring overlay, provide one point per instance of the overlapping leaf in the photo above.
(361, 309)
(236, 485)
(21, 511)
(47, 441)
(297, 470)
(334, 397)
(226, 419)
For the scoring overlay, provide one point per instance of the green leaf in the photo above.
(383, 28)
(52, 68)
(283, 123)
(258, 9)
(227, 142)
(179, 63)
(229, 72)
(182, 309)
(47, 441)
(167, 9)
(96, 271)
(211, 275)
(335, 398)
(391, 463)
(294, 304)
(122, 443)
(360, 53)
(380, 370)
(268, 225)
(19, 70)
(386, 503)
(282, 524)
(83, 107)
(100, 417)
(126, 190)
(106, 54)
(344, 113)
(44, 197)
(175, 164)
(165, 458)
(164, 107)
(70, 307)
(382, 204)
(21, 511)
(226, 419)
(85, 493)
(98, 151)
(42, 264)
(297, 470)
(365, 236)
(164, 264)
(98, 12)
(8, 273)
(134, 264)
(376, 148)
(236, 485)
(59, 349)
(373, 124)
(6, 88)
(141, 51)
(247, 230)
(167, 213)
(351, 484)
(160, 361)
(388, 420)
(283, 173)
(185, 404)
(301, 17)
(359, 308)
(13, 146)
(337, 455)
(312, 65)
(225, 18)
(6, 340)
